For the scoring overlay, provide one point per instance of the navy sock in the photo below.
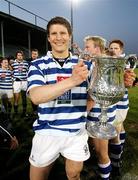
(104, 170)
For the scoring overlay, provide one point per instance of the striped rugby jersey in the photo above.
(124, 102)
(65, 115)
(95, 112)
(20, 69)
(111, 112)
(5, 79)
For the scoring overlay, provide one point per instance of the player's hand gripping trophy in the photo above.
(106, 88)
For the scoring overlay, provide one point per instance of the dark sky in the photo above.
(108, 18)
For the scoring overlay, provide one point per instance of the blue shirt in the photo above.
(65, 115)
(20, 70)
(5, 79)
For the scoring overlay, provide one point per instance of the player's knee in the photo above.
(73, 173)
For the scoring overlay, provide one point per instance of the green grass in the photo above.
(130, 155)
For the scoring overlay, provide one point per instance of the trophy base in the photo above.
(102, 131)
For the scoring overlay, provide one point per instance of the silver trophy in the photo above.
(106, 88)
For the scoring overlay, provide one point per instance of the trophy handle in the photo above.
(131, 61)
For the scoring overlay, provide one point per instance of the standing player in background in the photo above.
(7, 137)
(116, 47)
(20, 70)
(6, 86)
(34, 55)
(95, 45)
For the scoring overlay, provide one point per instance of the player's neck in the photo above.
(19, 60)
(60, 55)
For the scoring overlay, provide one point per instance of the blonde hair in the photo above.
(98, 41)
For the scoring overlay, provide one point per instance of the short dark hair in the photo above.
(19, 51)
(59, 20)
(36, 50)
(117, 41)
(2, 59)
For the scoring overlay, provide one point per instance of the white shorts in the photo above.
(120, 116)
(19, 86)
(46, 149)
(6, 93)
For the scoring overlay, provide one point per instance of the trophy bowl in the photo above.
(106, 88)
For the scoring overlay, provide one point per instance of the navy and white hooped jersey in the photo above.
(124, 102)
(65, 115)
(20, 70)
(95, 112)
(111, 110)
(5, 79)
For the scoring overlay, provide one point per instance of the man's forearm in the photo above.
(46, 93)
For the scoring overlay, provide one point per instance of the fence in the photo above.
(22, 13)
